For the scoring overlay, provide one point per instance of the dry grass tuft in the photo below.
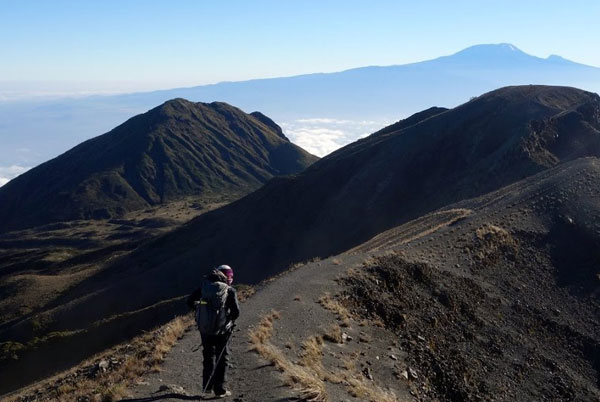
(333, 305)
(493, 232)
(349, 364)
(261, 334)
(308, 377)
(360, 387)
(491, 242)
(311, 358)
(312, 352)
(333, 334)
(127, 363)
(244, 291)
(65, 389)
(113, 393)
(309, 386)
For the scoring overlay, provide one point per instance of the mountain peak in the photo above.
(173, 106)
(557, 59)
(176, 102)
(181, 104)
(494, 56)
(498, 49)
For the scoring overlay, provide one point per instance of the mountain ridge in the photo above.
(177, 149)
(509, 153)
(298, 218)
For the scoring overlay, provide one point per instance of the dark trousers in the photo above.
(212, 345)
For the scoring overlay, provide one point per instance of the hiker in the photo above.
(217, 308)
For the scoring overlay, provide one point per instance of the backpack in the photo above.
(211, 313)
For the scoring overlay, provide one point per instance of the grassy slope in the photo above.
(176, 150)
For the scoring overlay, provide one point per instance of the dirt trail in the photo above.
(295, 295)
(414, 230)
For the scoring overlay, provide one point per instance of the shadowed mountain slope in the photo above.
(387, 179)
(411, 120)
(175, 150)
(501, 289)
(359, 191)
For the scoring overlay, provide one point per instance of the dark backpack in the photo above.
(211, 313)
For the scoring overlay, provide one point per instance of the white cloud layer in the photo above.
(321, 136)
(7, 173)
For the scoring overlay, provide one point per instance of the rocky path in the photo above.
(295, 295)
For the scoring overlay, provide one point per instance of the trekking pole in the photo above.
(219, 359)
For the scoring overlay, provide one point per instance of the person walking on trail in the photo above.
(217, 308)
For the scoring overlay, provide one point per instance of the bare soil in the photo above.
(502, 304)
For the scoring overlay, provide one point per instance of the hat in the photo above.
(226, 269)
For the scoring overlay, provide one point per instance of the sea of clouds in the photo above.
(8, 173)
(321, 136)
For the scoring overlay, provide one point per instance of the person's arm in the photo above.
(194, 297)
(232, 304)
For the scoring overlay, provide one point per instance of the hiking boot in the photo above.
(222, 393)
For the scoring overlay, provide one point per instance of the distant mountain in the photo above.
(175, 150)
(380, 94)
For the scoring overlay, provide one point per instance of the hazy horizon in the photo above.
(63, 48)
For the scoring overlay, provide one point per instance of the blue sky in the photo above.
(94, 46)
